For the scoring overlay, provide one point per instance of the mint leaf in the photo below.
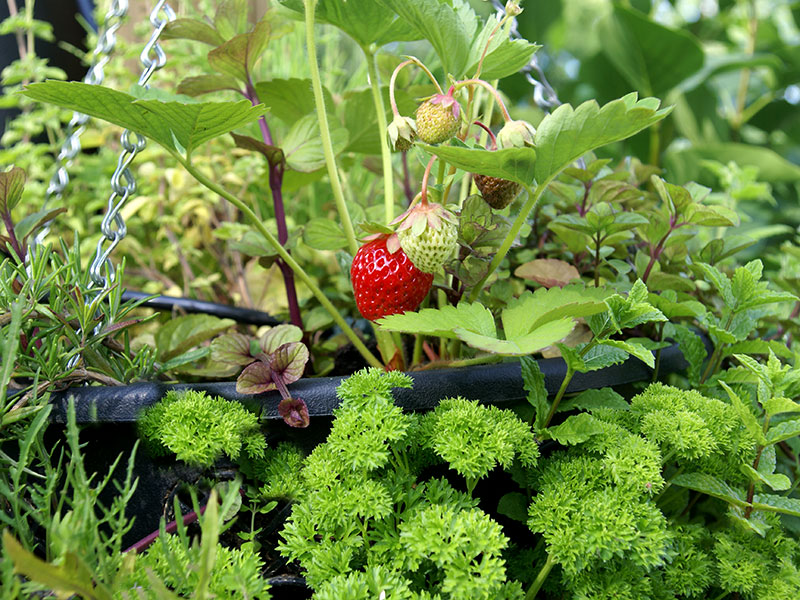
(568, 133)
(192, 29)
(708, 484)
(776, 481)
(691, 346)
(780, 504)
(575, 430)
(634, 349)
(174, 125)
(182, 333)
(12, 183)
(783, 431)
(594, 399)
(748, 418)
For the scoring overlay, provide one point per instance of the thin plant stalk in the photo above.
(540, 577)
(525, 211)
(325, 134)
(293, 264)
(386, 152)
(276, 187)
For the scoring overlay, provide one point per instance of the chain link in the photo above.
(123, 184)
(544, 96)
(106, 42)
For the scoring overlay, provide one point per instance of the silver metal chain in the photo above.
(123, 184)
(106, 42)
(544, 95)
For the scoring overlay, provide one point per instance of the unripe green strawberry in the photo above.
(438, 118)
(497, 192)
(428, 234)
(402, 133)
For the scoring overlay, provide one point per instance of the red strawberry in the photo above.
(385, 282)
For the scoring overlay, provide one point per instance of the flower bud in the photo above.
(402, 133)
(516, 134)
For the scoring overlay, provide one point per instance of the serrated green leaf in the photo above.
(366, 21)
(568, 133)
(205, 84)
(514, 164)
(710, 485)
(778, 405)
(780, 504)
(637, 350)
(783, 431)
(712, 216)
(289, 361)
(594, 399)
(182, 333)
(759, 347)
(541, 337)
(255, 379)
(747, 417)
(534, 309)
(775, 481)
(533, 382)
(302, 146)
(324, 234)
(575, 430)
(12, 183)
(174, 125)
(442, 322)
(691, 346)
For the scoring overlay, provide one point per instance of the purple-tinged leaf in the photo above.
(233, 348)
(279, 335)
(204, 84)
(273, 154)
(114, 327)
(192, 29)
(294, 412)
(255, 379)
(238, 56)
(289, 361)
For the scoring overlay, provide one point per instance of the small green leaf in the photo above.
(779, 404)
(12, 183)
(324, 234)
(515, 506)
(634, 349)
(691, 346)
(783, 431)
(594, 399)
(747, 417)
(180, 334)
(776, 481)
(533, 382)
(713, 486)
(32, 222)
(279, 335)
(575, 430)
(233, 348)
(780, 504)
(290, 99)
(514, 164)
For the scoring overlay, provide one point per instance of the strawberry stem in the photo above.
(492, 90)
(424, 191)
(489, 131)
(502, 22)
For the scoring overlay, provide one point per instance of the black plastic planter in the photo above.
(114, 410)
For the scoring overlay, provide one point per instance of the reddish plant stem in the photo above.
(171, 527)
(659, 248)
(489, 131)
(425, 177)
(276, 186)
(12, 237)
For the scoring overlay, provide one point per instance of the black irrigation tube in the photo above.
(248, 316)
(492, 384)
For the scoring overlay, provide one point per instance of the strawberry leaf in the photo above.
(568, 133)
(192, 29)
(442, 322)
(514, 164)
(177, 126)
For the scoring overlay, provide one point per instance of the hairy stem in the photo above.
(325, 133)
(386, 152)
(409, 193)
(287, 258)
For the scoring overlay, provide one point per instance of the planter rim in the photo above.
(497, 384)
